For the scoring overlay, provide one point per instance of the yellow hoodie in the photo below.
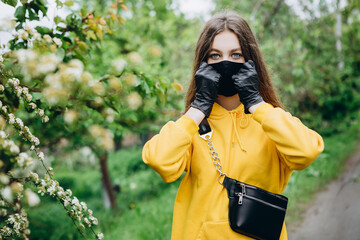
(260, 149)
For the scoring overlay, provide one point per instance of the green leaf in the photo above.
(83, 11)
(18, 26)
(69, 3)
(43, 30)
(43, 9)
(58, 20)
(91, 35)
(20, 13)
(33, 15)
(59, 4)
(10, 2)
(41, 5)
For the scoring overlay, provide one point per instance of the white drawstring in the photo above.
(235, 129)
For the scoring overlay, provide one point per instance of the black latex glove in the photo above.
(247, 84)
(207, 84)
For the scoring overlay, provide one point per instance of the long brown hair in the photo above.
(250, 50)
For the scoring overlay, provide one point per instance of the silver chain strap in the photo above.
(214, 155)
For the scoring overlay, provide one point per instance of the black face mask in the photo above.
(227, 69)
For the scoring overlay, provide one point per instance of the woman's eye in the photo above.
(214, 56)
(236, 55)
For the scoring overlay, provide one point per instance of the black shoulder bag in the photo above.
(253, 211)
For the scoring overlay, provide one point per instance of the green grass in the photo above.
(304, 184)
(146, 202)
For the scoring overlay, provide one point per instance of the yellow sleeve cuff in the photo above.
(188, 124)
(261, 112)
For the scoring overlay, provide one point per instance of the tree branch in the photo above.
(271, 15)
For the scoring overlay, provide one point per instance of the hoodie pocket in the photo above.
(218, 230)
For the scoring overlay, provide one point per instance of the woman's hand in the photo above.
(207, 84)
(247, 84)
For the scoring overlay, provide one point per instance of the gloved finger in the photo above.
(251, 63)
(202, 65)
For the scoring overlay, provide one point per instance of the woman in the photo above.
(257, 141)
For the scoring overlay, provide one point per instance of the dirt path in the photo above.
(335, 214)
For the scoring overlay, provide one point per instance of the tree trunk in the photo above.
(108, 190)
(272, 13)
(338, 33)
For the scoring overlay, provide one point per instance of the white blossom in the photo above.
(94, 220)
(6, 231)
(20, 122)
(60, 194)
(2, 88)
(134, 100)
(87, 222)
(100, 236)
(41, 190)
(28, 29)
(24, 160)
(25, 90)
(52, 188)
(32, 105)
(17, 187)
(45, 119)
(41, 156)
(28, 97)
(69, 192)
(73, 70)
(18, 222)
(14, 149)
(133, 185)
(4, 179)
(2, 134)
(11, 118)
(23, 34)
(41, 112)
(32, 198)
(76, 63)
(75, 201)
(66, 202)
(6, 24)
(3, 212)
(18, 91)
(70, 116)
(37, 36)
(26, 55)
(47, 38)
(34, 177)
(135, 58)
(57, 41)
(6, 193)
(119, 64)
(34, 140)
(47, 63)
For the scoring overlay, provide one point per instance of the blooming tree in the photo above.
(47, 93)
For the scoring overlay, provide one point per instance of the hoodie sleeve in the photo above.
(169, 152)
(297, 145)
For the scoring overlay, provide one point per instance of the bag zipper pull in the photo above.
(242, 193)
(240, 198)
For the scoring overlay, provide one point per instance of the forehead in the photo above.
(226, 41)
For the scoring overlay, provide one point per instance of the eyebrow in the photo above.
(232, 50)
